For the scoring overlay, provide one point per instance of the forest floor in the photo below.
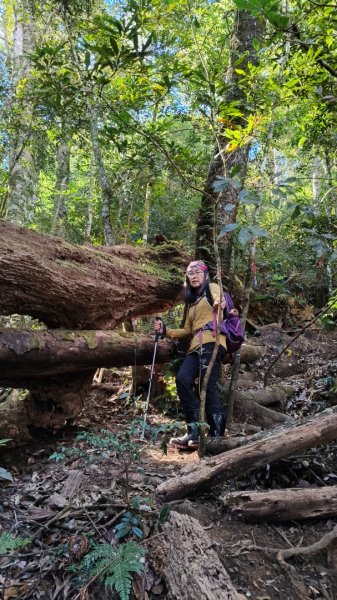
(70, 491)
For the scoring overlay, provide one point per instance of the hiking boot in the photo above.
(189, 441)
(217, 425)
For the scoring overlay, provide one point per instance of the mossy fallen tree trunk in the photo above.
(58, 367)
(284, 505)
(28, 358)
(67, 286)
(86, 287)
(211, 471)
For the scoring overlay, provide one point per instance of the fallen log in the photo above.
(284, 505)
(247, 406)
(211, 471)
(274, 394)
(229, 442)
(86, 287)
(29, 357)
(74, 287)
(250, 354)
(253, 404)
(190, 566)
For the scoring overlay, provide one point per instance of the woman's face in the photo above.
(195, 277)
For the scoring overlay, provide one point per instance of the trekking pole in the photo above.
(158, 334)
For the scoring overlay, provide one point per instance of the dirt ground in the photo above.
(72, 490)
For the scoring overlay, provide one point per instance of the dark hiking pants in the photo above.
(193, 367)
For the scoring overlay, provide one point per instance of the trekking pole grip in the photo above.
(162, 333)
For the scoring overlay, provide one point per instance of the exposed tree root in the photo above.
(321, 544)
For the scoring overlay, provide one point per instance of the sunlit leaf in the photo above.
(228, 229)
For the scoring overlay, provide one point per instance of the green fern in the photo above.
(98, 559)
(9, 542)
(115, 567)
(128, 561)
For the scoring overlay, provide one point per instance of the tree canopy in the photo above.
(111, 110)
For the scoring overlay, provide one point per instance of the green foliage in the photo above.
(154, 72)
(129, 560)
(245, 234)
(57, 456)
(164, 514)
(129, 524)
(115, 566)
(9, 543)
(271, 9)
(125, 443)
(66, 452)
(329, 318)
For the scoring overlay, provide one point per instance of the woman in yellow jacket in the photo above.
(201, 301)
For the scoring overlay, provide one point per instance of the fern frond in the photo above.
(100, 553)
(128, 560)
(116, 568)
(9, 542)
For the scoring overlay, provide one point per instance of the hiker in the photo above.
(201, 304)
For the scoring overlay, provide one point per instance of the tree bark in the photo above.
(211, 471)
(221, 444)
(147, 210)
(22, 173)
(50, 406)
(61, 186)
(27, 358)
(90, 201)
(102, 176)
(64, 285)
(190, 565)
(284, 505)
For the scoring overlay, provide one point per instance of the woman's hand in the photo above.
(222, 302)
(159, 326)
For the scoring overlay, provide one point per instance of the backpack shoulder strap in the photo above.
(229, 303)
(208, 295)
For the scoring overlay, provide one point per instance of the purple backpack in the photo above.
(230, 326)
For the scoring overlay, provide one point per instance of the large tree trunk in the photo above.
(147, 210)
(284, 505)
(247, 28)
(61, 186)
(102, 176)
(22, 174)
(64, 285)
(211, 471)
(29, 358)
